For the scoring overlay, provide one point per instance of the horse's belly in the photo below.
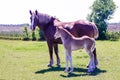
(76, 47)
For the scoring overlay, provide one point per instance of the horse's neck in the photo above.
(44, 26)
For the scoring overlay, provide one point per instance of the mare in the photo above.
(71, 43)
(48, 24)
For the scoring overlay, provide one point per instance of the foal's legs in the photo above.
(56, 52)
(66, 54)
(68, 58)
(71, 65)
(91, 66)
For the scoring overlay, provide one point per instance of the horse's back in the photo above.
(81, 28)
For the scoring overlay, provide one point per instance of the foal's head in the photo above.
(38, 19)
(57, 33)
(61, 32)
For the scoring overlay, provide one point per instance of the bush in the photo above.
(25, 34)
(33, 36)
(113, 36)
(40, 34)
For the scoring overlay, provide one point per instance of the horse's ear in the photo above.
(30, 12)
(36, 12)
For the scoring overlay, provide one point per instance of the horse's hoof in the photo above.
(49, 65)
(58, 65)
(96, 67)
(90, 70)
(71, 70)
(87, 66)
(66, 70)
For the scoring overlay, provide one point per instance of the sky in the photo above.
(17, 11)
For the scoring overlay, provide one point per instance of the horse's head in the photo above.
(33, 19)
(39, 19)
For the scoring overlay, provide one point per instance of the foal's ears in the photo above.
(30, 12)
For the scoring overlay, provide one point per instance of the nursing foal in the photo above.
(72, 43)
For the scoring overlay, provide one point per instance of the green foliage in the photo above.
(26, 34)
(102, 11)
(41, 35)
(11, 35)
(113, 36)
(22, 33)
(33, 36)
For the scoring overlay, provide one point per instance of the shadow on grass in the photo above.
(59, 68)
(82, 71)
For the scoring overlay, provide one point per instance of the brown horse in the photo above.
(48, 25)
(72, 43)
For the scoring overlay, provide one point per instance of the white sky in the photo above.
(17, 11)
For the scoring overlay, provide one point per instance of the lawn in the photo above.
(27, 60)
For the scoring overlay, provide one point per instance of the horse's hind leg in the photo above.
(57, 55)
(91, 65)
(95, 57)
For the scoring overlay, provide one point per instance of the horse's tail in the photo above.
(96, 32)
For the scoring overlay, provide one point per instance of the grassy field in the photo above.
(21, 60)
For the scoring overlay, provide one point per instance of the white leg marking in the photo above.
(91, 64)
(66, 69)
(70, 60)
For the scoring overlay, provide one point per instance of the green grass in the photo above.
(27, 60)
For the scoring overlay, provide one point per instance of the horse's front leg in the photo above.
(57, 55)
(50, 46)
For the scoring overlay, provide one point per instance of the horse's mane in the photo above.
(48, 19)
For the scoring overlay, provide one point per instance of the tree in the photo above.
(102, 11)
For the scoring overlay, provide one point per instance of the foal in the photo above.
(72, 43)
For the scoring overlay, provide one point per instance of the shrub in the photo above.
(25, 34)
(40, 34)
(33, 36)
(113, 36)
